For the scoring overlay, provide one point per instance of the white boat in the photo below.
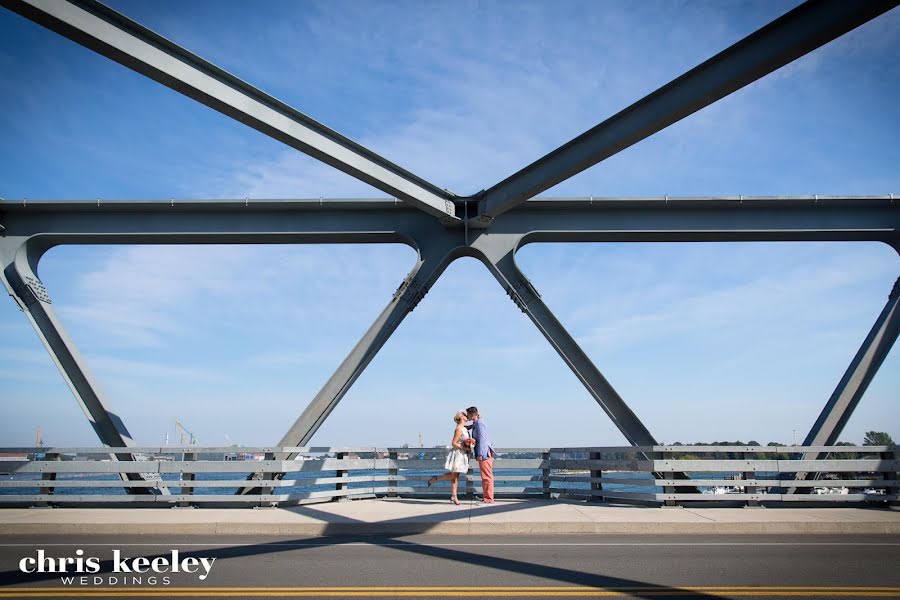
(722, 489)
(829, 491)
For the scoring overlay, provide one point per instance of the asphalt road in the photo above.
(454, 567)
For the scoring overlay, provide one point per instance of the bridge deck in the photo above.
(408, 516)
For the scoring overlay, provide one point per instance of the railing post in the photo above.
(393, 471)
(596, 474)
(341, 473)
(545, 474)
(269, 490)
(891, 476)
(470, 485)
(749, 475)
(669, 476)
(48, 476)
(187, 456)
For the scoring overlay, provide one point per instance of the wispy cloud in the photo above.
(158, 291)
(463, 95)
(24, 355)
(661, 298)
(143, 369)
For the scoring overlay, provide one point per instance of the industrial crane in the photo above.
(187, 438)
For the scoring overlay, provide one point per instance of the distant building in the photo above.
(10, 456)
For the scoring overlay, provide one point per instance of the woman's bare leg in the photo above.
(453, 485)
(437, 478)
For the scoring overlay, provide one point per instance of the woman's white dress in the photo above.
(458, 461)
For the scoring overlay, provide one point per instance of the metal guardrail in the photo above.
(194, 476)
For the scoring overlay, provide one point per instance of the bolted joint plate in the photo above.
(411, 292)
(450, 217)
(468, 214)
(522, 292)
(31, 290)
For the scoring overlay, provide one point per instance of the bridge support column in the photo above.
(859, 374)
(855, 381)
(431, 262)
(427, 269)
(19, 275)
(500, 259)
(498, 254)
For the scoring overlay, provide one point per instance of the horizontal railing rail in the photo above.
(197, 476)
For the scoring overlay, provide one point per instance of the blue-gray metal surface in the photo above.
(859, 374)
(498, 254)
(856, 379)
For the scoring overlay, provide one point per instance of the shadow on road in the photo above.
(460, 558)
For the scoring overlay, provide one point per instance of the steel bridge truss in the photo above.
(490, 226)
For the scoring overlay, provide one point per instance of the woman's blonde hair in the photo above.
(459, 417)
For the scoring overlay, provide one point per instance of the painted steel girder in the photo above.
(874, 218)
(794, 34)
(19, 259)
(118, 38)
(428, 268)
(859, 374)
(850, 389)
(500, 260)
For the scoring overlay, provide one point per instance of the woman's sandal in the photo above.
(431, 481)
(454, 500)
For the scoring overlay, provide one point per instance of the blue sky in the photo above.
(705, 341)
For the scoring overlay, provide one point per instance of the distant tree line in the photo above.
(872, 438)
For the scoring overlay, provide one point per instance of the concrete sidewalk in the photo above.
(407, 516)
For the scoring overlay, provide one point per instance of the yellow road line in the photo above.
(595, 594)
(495, 591)
(469, 589)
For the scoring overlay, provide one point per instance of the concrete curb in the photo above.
(457, 528)
(412, 517)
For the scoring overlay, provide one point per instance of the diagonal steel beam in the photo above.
(859, 374)
(19, 259)
(428, 268)
(789, 37)
(856, 380)
(499, 256)
(117, 37)
(430, 263)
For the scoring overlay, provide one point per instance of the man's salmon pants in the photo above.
(486, 466)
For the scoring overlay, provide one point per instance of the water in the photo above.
(304, 487)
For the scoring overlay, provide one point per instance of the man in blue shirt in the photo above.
(484, 454)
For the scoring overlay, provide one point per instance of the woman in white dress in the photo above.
(458, 460)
